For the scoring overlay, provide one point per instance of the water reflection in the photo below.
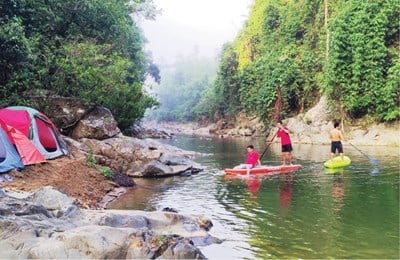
(375, 171)
(338, 190)
(311, 213)
(253, 182)
(285, 190)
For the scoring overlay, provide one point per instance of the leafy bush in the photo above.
(106, 172)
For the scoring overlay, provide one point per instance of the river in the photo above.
(310, 213)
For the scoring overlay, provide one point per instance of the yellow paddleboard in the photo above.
(337, 162)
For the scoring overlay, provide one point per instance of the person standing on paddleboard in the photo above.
(336, 137)
(283, 134)
(253, 158)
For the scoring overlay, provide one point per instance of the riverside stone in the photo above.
(29, 230)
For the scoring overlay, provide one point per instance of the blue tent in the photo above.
(9, 157)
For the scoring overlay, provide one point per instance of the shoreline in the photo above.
(380, 135)
(82, 178)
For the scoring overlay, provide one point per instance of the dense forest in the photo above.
(292, 52)
(287, 55)
(91, 50)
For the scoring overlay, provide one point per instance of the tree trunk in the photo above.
(277, 115)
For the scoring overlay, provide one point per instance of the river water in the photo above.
(310, 213)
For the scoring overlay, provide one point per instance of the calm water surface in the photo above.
(311, 213)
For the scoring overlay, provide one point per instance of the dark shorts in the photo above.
(336, 146)
(287, 148)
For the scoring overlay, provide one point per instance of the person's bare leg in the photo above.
(283, 158)
(290, 158)
(342, 156)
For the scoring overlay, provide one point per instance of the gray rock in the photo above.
(98, 123)
(119, 220)
(174, 160)
(155, 169)
(182, 249)
(28, 230)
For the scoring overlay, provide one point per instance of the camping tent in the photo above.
(37, 127)
(9, 158)
(26, 149)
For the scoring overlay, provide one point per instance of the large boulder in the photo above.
(99, 124)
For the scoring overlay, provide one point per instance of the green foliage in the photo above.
(361, 70)
(15, 50)
(181, 89)
(91, 159)
(389, 107)
(106, 172)
(92, 162)
(276, 61)
(221, 98)
(280, 64)
(89, 49)
(227, 83)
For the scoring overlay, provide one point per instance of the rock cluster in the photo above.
(46, 224)
(96, 134)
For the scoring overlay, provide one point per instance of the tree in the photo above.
(87, 49)
(360, 60)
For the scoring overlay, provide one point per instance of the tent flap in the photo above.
(26, 149)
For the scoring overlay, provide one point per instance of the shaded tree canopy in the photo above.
(89, 49)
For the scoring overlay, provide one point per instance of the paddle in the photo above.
(372, 160)
(269, 143)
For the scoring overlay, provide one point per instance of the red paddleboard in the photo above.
(264, 169)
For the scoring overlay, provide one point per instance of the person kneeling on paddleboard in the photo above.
(253, 158)
(336, 137)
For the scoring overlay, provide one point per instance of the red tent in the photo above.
(35, 126)
(27, 150)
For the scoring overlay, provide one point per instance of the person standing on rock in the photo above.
(286, 143)
(336, 137)
(253, 158)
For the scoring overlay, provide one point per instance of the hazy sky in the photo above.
(188, 26)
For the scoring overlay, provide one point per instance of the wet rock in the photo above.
(167, 209)
(182, 249)
(123, 180)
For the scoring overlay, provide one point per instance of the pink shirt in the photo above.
(252, 158)
(285, 138)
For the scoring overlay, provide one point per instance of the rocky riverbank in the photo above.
(55, 210)
(69, 220)
(311, 127)
(47, 224)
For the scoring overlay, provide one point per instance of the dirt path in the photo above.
(74, 177)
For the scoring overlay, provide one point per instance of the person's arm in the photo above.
(285, 129)
(278, 135)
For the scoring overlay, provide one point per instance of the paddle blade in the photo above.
(374, 161)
